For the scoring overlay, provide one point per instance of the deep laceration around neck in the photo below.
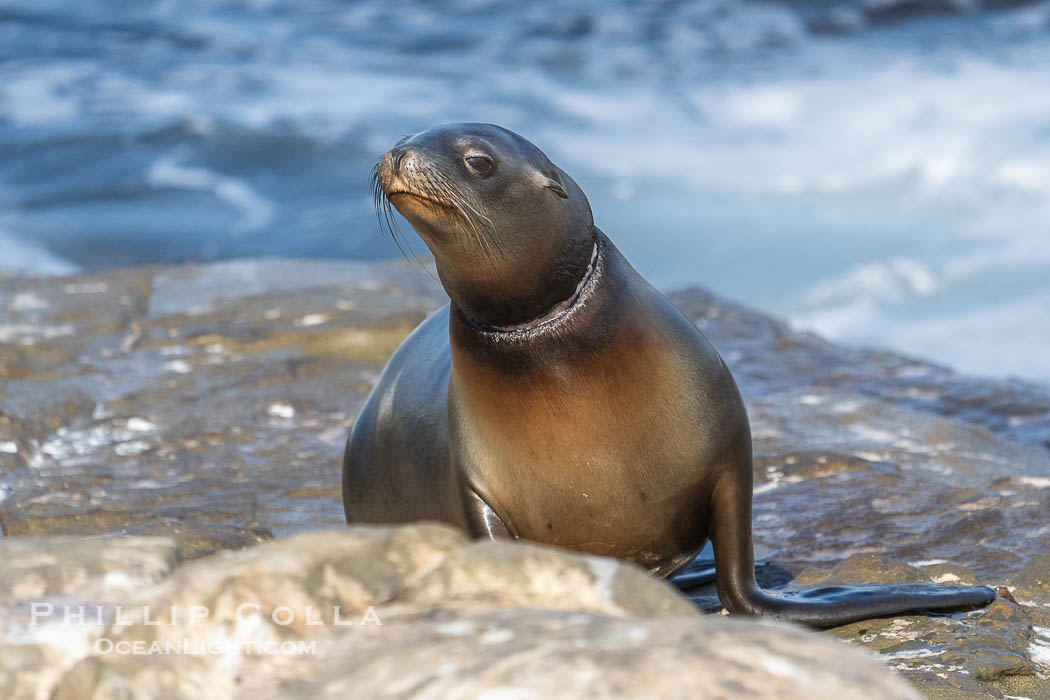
(553, 313)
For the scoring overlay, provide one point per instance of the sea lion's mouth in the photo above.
(419, 198)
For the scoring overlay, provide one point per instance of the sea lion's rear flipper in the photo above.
(699, 572)
(877, 599)
(827, 606)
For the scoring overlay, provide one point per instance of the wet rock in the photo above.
(963, 654)
(986, 646)
(944, 686)
(1032, 583)
(766, 355)
(874, 568)
(946, 572)
(863, 568)
(981, 653)
(207, 403)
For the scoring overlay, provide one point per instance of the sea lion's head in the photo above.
(512, 235)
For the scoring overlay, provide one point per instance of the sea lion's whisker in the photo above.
(429, 183)
(437, 185)
(384, 209)
(385, 215)
(470, 213)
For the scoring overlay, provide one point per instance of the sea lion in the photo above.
(560, 398)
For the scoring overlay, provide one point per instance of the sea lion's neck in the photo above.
(551, 315)
(558, 335)
(517, 294)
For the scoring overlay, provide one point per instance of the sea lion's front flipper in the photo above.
(827, 606)
(482, 520)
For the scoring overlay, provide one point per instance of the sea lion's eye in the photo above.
(479, 164)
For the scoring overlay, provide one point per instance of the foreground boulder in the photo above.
(414, 611)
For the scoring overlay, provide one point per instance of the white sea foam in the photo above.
(256, 210)
(903, 122)
(891, 280)
(20, 256)
(39, 95)
(948, 335)
(902, 226)
(1039, 482)
(1039, 648)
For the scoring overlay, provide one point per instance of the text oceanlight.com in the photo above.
(200, 647)
(198, 642)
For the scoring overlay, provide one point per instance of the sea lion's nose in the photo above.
(393, 164)
(396, 155)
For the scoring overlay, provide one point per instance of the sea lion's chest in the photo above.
(578, 449)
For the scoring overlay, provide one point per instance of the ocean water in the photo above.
(874, 170)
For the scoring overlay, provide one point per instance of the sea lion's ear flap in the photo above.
(555, 187)
(550, 183)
